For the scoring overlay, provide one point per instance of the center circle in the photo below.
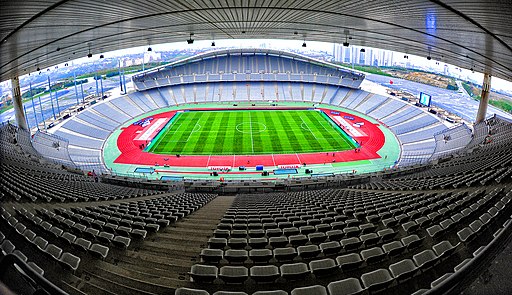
(253, 127)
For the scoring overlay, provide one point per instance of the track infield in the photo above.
(250, 132)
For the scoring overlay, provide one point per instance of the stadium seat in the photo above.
(425, 259)
(40, 242)
(351, 244)
(229, 293)
(323, 267)
(403, 269)
(330, 248)
(373, 255)
(466, 235)
(53, 251)
(349, 261)
(264, 273)
(308, 252)
(121, 242)
(294, 271)
(350, 286)
(203, 273)
(236, 255)
(444, 249)
(190, 291)
(273, 292)
(260, 255)
(217, 243)
(316, 289)
(285, 254)
(393, 248)
(82, 244)
(211, 255)
(377, 280)
(233, 274)
(99, 251)
(69, 261)
(412, 241)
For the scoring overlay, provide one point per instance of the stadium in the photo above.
(255, 170)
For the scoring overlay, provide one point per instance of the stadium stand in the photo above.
(428, 229)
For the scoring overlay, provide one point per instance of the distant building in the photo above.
(370, 56)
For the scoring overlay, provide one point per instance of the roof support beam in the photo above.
(484, 100)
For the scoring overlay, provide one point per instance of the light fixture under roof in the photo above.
(346, 44)
(150, 49)
(362, 50)
(304, 44)
(190, 40)
(213, 43)
(101, 56)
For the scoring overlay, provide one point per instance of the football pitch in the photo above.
(250, 132)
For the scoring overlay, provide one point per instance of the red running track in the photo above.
(131, 153)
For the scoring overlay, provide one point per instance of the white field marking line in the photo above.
(334, 129)
(174, 131)
(193, 130)
(273, 160)
(233, 165)
(309, 129)
(296, 155)
(208, 162)
(250, 126)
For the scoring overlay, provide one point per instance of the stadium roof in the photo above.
(470, 33)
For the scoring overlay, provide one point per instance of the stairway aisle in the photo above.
(160, 263)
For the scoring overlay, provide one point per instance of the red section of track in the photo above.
(131, 153)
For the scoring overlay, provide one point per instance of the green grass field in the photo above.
(250, 132)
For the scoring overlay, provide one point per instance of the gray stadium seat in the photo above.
(377, 280)
(394, 248)
(82, 244)
(99, 251)
(440, 279)
(285, 254)
(403, 269)
(351, 244)
(273, 292)
(316, 289)
(229, 293)
(425, 259)
(373, 255)
(260, 255)
(190, 291)
(294, 271)
(350, 286)
(121, 242)
(349, 261)
(323, 267)
(308, 252)
(412, 241)
(211, 255)
(444, 249)
(234, 274)
(217, 243)
(69, 261)
(236, 255)
(203, 273)
(53, 251)
(330, 248)
(264, 273)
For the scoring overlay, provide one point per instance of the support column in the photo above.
(484, 98)
(18, 104)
